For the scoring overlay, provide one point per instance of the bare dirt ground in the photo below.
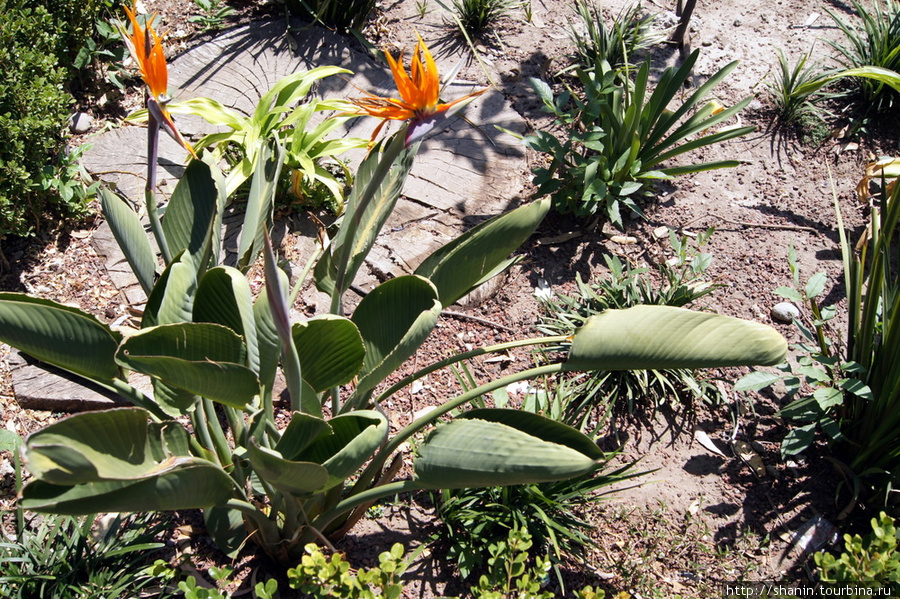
(701, 519)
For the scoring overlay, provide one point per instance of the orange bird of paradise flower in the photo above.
(419, 90)
(146, 47)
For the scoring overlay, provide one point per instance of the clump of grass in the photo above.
(477, 16)
(875, 43)
(789, 90)
(60, 556)
(630, 32)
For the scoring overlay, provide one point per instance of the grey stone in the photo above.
(80, 123)
(785, 312)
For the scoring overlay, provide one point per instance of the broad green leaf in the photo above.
(828, 397)
(224, 297)
(104, 445)
(351, 441)
(132, 239)
(296, 478)
(458, 266)
(816, 284)
(204, 359)
(330, 349)
(9, 441)
(394, 319)
(288, 90)
(545, 429)
(886, 76)
(379, 181)
(798, 440)
(300, 433)
(856, 387)
(210, 110)
(790, 293)
(185, 483)
(193, 211)
(803, 409)
(659, 337)
(260, 202)
(476, 453)
(60, 335)
(269, 347)
(755, 381)
(226, 528)
(172, 298)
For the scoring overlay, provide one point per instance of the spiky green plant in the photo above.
(629, 33)
(875, 42)
(789, 90)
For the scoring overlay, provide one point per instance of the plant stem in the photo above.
(268, 528)
(364, 497)
(466, 356)
(223, 451)
(391, 153)
(201, 428)
(379, 460)
(137, 398)
(149, 195)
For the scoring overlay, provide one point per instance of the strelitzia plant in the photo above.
(212, 353)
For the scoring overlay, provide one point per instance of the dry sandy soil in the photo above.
(701, 518)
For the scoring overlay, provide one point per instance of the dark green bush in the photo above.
(39, 39)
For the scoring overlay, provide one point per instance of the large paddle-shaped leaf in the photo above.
(172, 298)
(378, 184)
(194, 211)
(181, 484)
(110, 444)
(660, 337)
(301, 432)
(132, 239)
(117, 460)
(394, 320)
(481, 252)
(203, 359)
(224, 297)
(474, 453)
(541, 427)
(296, 478)
(60, 335)
(330, 349)
(349, 441)
(260, 202)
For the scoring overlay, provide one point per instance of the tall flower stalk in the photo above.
(146, 47)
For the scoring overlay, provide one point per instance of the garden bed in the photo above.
(700, 518)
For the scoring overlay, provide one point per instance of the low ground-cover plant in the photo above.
(550, 513)
(60, 557)
(212, 352)
(477, 16)
(855, 389)
(342, 15)
(868, 562)
(795, 103)
(616, 136)
(817, 383)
